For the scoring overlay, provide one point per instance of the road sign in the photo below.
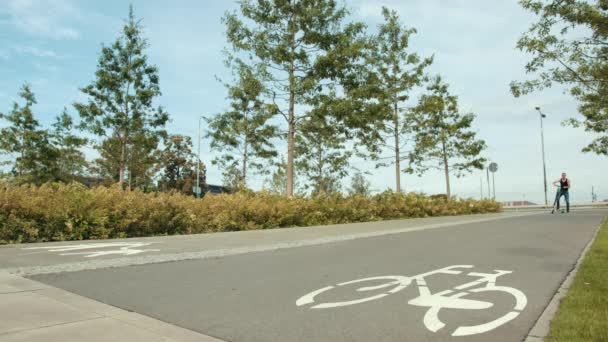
(493, 167)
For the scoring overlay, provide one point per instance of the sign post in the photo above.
(493, 168)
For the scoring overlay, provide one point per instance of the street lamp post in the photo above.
(542, 141)
(488, 176)
(493, 168)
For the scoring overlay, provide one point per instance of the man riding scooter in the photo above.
(564, 186)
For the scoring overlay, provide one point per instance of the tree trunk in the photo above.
(291, 121)
(244, 167)
(321, 186)
(397, 152)
(290, 147)
(130, 168)
(447, 171)
(125, 138)
(121, 165)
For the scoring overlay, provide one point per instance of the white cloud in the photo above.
(36, 52)
(42, 18)
(28, 50)
(46, 68)
(40, 82)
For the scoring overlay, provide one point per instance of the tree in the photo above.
(233, 178)
(394, 72)
(107, 165)
(120, 107)
(301, 44)
(35, 158)
(442, 134)
(179, 165)
(243, 133)
(143, 160)
(322, 154)
(278, 179)
(360, 186)
(277, 182)
(71, 161)
(569, 46)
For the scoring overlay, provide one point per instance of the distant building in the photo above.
(216, 189)
(517, 203)
(90, 181)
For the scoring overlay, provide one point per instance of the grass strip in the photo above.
(583, 313)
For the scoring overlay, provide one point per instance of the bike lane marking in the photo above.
(93, 250)
(447, 299)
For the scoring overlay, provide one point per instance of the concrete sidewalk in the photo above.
(34, 312)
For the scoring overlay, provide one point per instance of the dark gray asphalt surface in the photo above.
(252, 297)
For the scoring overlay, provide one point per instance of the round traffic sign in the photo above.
(493, 167)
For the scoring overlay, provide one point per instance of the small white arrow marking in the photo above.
(88, 250)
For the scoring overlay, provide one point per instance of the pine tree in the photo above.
(243, 133)
(394, 73)
(71, 160)
(120, 106)
(233, 178)
(143, 160)
(35, 158)
(278, 180)
(321, 149)
(443, 138)
(360, 185)
(179, 165)
(301, 44)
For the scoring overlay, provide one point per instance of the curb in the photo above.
(540, 330)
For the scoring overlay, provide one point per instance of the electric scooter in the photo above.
(558, 195)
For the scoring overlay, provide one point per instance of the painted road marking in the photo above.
(447, 299)
(91, 250)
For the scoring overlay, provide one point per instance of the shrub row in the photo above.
(57, 212)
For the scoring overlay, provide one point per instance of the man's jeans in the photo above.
(566, 195)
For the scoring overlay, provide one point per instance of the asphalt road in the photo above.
(272, 295)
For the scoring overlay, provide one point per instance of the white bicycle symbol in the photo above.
(448, 299)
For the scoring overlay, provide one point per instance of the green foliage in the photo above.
(322, 157)
(35, 158)
(443, 138)
(394, 72)
(179, 166)
(120, 107)
(233, 178)
(277, 183)
(71, 161)
(569, 46)
(143, 160)
(243, 134)
(302, 45)
(360, 186)
(56, 212)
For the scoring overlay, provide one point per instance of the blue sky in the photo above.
(54, 44)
